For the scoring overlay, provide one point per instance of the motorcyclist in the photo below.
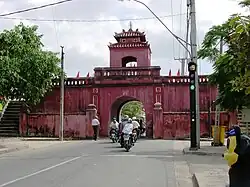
(113, 125)
(142, 126)
(128, 128)
(136, 125)
(122, 124)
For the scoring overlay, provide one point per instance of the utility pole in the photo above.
(62, 95)
(187, 36)
(186, 59)
(216, 138)
(193, 42)
(183, 61)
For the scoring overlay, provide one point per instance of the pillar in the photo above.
(91, 113)
(158, 121)
(24, 120)
(23, 124)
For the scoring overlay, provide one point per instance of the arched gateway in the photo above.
(165, 98)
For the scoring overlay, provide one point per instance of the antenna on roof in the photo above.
(130, 25)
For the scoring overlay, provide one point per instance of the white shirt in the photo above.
(128, 128)
(114, 125)
(136, 124)
(95, 122)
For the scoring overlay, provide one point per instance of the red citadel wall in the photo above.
(44, 119)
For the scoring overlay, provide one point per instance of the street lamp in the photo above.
(193, 59)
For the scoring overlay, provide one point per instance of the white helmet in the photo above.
(125, 117)
(133, 118)
(129, 120)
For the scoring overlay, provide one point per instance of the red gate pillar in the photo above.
(157, 121)
(91, 113)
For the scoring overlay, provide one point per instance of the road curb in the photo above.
(9, 150)
(39, 139)
(186, 151)
(30, 139)
(195, 181)
(202, 139)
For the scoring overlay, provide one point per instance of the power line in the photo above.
(88, 21)
(35, 8)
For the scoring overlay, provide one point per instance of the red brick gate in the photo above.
(165, 98)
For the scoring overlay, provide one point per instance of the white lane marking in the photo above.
(40, 171)
(140, 156)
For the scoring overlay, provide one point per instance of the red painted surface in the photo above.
(49, 125)
(111, 87)
(158, 121)
(172, 92)
(143, 56)
(177, 124)
(51, 103)
(115, 96)
(130, 44)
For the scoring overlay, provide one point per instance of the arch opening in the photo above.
(128, 106)
(129, 61)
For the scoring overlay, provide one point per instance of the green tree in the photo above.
(132, 109)
(232, 67)
(245, 3)
(27, 71)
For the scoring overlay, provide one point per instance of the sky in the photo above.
(86, 43)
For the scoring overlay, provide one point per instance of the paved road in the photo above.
(150, 163)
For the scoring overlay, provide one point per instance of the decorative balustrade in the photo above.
(75, 81)
(124, 73)
(113, 73)
(183, 79)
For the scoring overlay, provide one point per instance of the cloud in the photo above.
(86, 42)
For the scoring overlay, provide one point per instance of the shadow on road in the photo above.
(117, 150)
(105, 142)
(114, 146)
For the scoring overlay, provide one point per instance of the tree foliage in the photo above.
(245, 3)
(232, 67)
(132, 109)
(27, 71)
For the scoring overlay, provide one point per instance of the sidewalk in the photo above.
(14, 144)
(206, 150)
(206, 165)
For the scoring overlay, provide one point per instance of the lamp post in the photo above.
(194, 88)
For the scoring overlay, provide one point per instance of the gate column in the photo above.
(91, 113)
(157, 121)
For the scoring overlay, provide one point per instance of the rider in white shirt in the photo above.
(114, 124)
(136, 125)
(128, 127)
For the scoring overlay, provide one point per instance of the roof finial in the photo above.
(130, 25)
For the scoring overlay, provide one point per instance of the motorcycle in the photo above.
(113, 135)
(135, 134)
(127, 141)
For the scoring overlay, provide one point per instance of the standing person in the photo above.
(95, 125)
(237, 156)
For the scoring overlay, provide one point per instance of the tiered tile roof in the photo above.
(129, 45)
